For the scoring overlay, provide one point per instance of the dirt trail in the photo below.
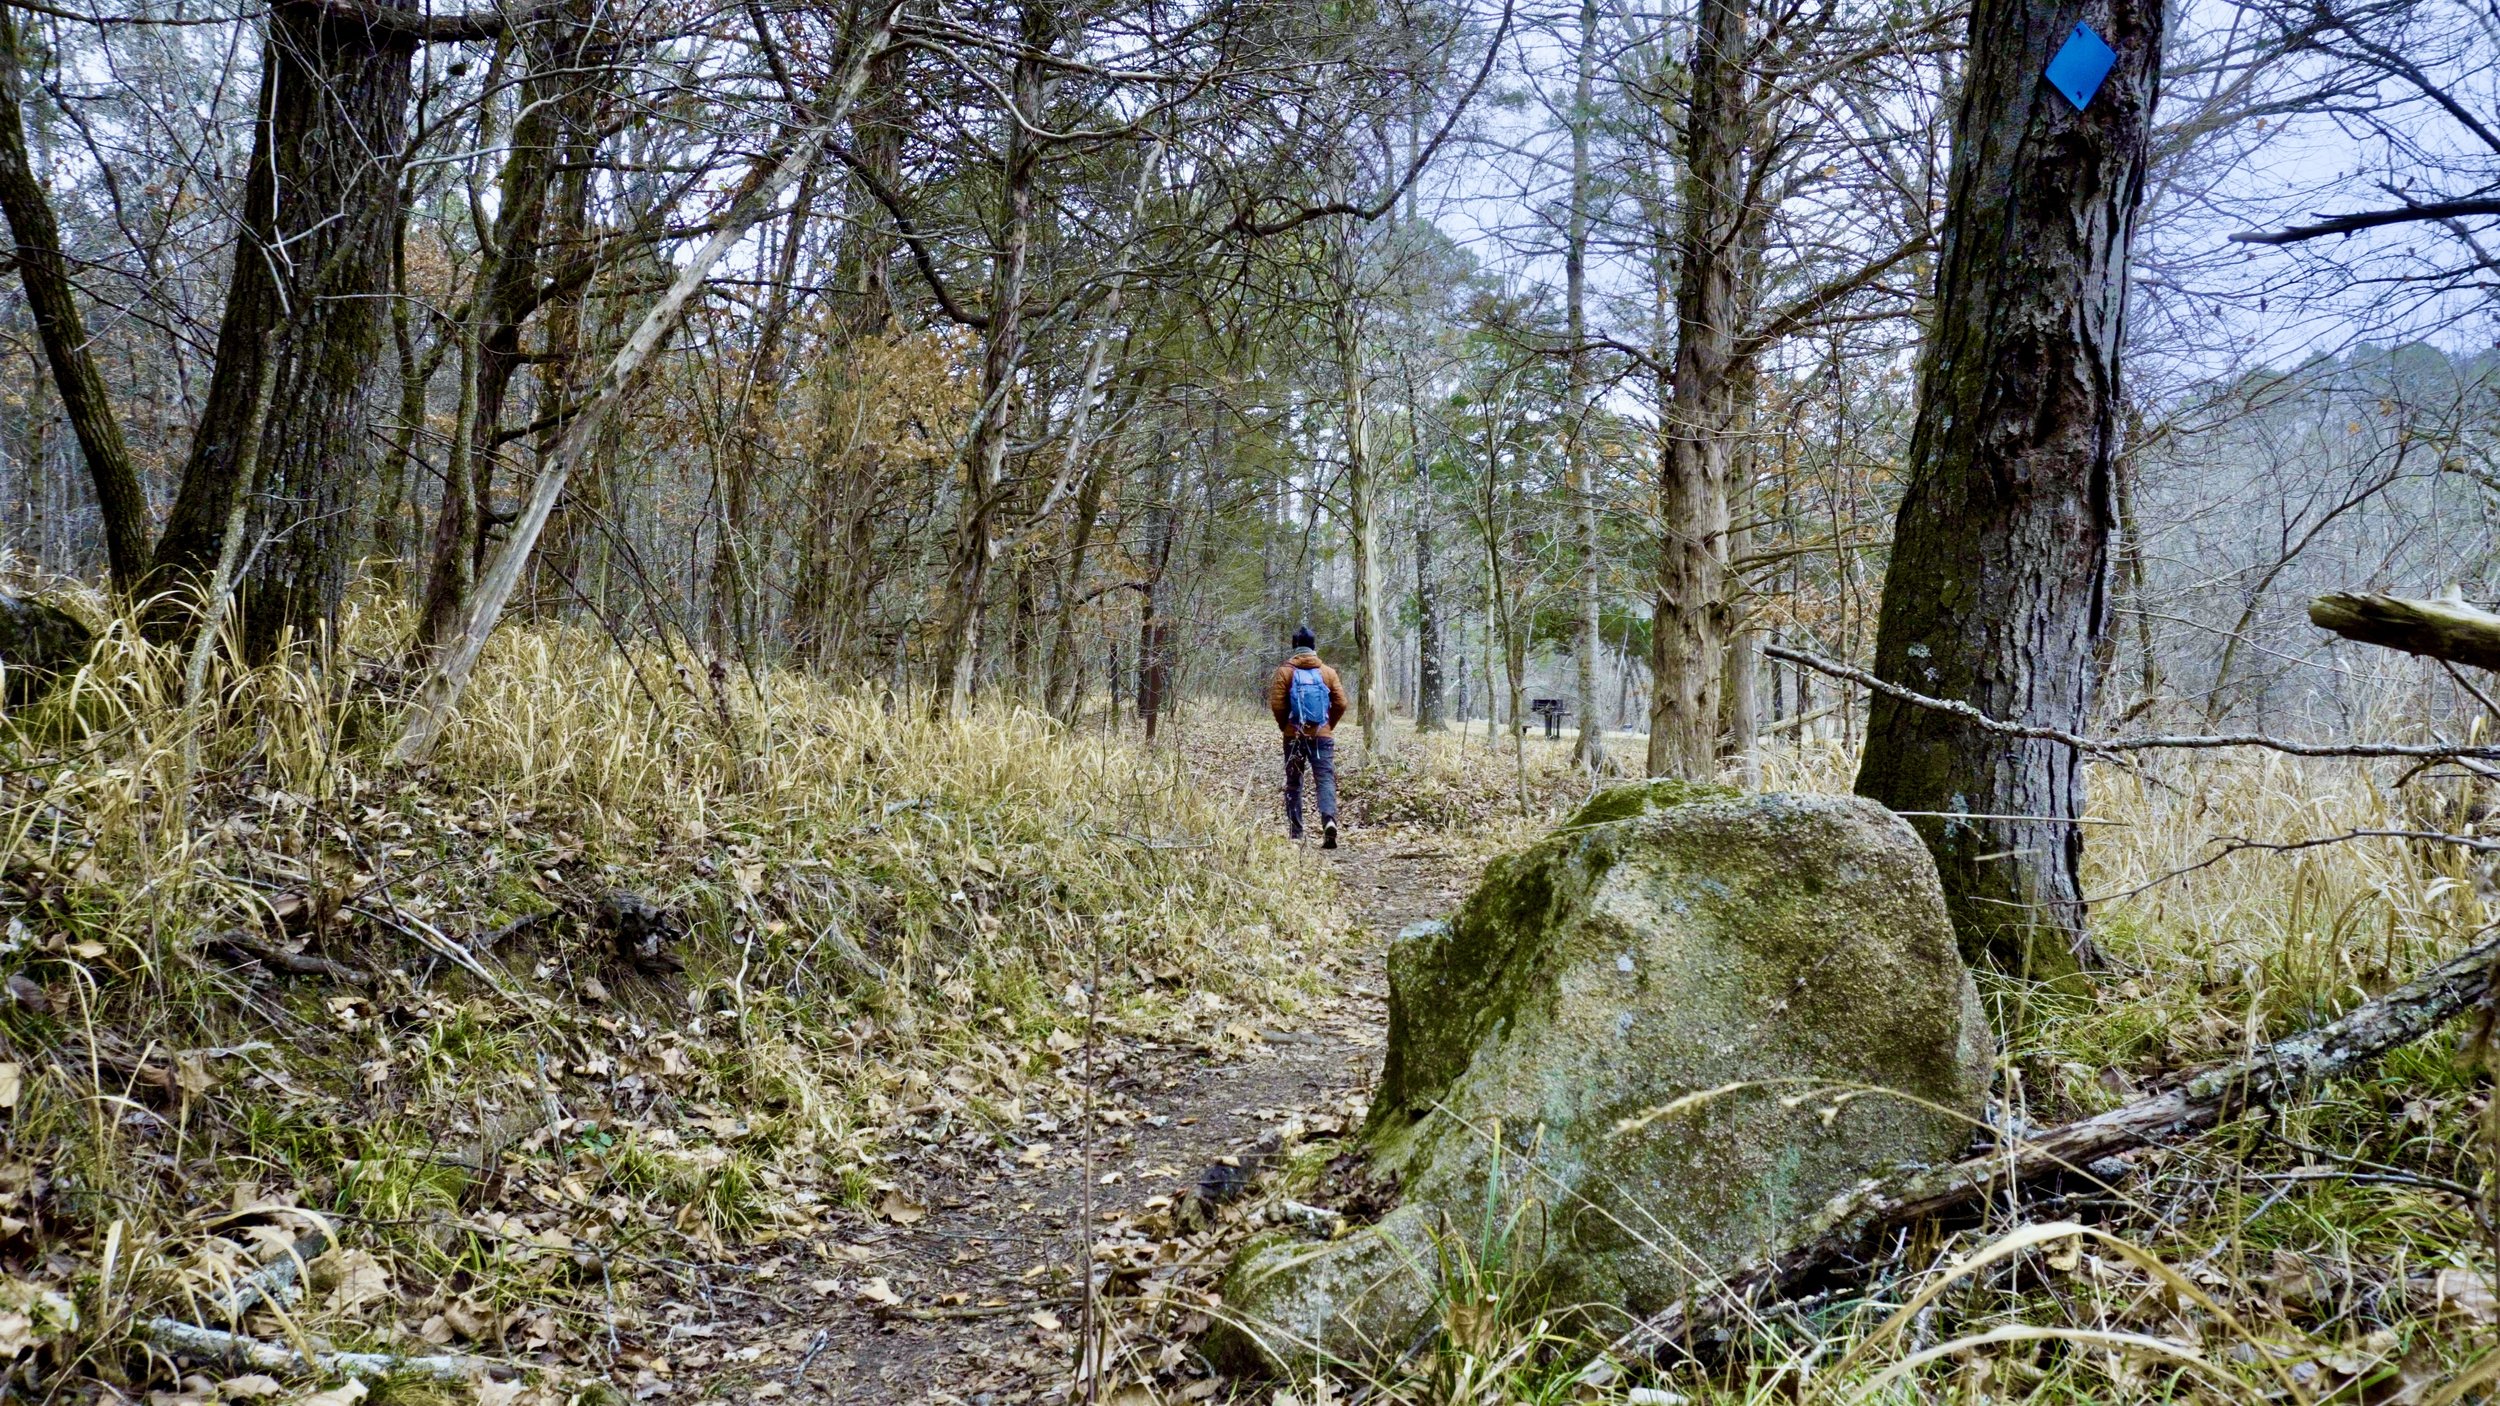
(985, 1289)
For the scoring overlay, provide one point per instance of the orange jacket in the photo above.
(1281, 683)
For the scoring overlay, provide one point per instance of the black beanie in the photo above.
(1304, 639)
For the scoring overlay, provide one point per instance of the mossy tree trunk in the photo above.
(313, 264)
(1996, 592)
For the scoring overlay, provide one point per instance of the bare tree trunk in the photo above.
(1431, 687)
(1590, 751)
(1362, 517)
(733, 561)
(1154, 627)
(985, 456)
(1690, 625)
(450, 571)
(577, 557)
(44, 270)
(510, 287)
(416, 373)
(1996, 594)
(1066, 697)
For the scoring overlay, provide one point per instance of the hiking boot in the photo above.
(1328, 834)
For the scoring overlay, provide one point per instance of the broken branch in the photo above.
(173, 1336)
(2276, 1073)
(2435, 629)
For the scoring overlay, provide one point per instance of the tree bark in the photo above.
(322, 195)
(1690, 625)
(1997, 589)
(44, 270)
(1740, 665)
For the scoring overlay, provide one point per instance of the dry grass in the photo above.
(531, 1140)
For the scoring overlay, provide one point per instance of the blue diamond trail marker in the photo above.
(2081, 63)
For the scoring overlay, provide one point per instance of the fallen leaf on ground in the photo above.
(354, 1277)
(2464, 1291)
(901, 1209)
(878, 1291)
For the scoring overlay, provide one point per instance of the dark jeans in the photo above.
(1320, 754)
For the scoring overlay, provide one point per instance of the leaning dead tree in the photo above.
(2434, 629)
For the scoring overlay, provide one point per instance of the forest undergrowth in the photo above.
(658, 965)
(2337, 1251)
(654, 965)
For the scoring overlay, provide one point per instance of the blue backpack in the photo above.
(1306, 703)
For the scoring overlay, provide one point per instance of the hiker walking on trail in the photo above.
(1307, 700)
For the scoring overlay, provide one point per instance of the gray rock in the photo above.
(38, 642)
(1649, 1049)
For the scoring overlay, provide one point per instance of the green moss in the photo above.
(1624, 802)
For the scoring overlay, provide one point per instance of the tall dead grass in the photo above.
(884, 919)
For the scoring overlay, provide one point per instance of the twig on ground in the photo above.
(176, 1337)
(978, 1310)
(798, 1376)
(299, 963)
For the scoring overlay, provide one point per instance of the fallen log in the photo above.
(2280, 1071)
(2435, 629)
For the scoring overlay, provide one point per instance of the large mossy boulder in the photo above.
(38, 643)
(1647, 1050)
